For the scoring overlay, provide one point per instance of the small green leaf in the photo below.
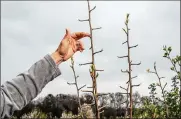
(178, 58)
(174, 61)
(166, 54)
(169, 49)
(172, 68)
(124, 30)
(127, 16)
(97, 75)
(92, 67)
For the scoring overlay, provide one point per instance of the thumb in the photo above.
(67, 33)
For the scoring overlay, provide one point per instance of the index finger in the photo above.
(79, 35)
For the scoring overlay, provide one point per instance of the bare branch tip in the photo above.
(98, 52)
(83, 20)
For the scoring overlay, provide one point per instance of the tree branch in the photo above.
(136, 64)
(85, 63)
(123, 88)
(101, 94)
(98, 51)
(101, 111)
(134, 77)
(82, 87)
(133, 46)
(89, 87)
(124, 42)
(136, 85)
(125, 71)
(124, 30)
(87, 91)
(92, 9)
(99, 70)
(122, 56)
(124, 102)
(91, 104)
(70, 83)
(164, 86)
(96, 28)
(102, 107)
(83, 20)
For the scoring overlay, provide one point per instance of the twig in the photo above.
(92, 8)
(85, 63)
(70, 83)
(81, 87)
(83, 20)
(134, 77)
(122, 56)
(75, 77)
(87, 91)
(136, 85)
(98, 51)
(136, 63)
(125, 71)
(96, 28)
(133, 46)
(123, 88)
(124, 42)
(99, 70)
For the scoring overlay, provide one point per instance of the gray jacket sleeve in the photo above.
(18, 92)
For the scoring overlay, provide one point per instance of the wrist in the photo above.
(57, 58)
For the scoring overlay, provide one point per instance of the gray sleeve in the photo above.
(18, 92)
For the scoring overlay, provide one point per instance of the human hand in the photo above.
(70, 44)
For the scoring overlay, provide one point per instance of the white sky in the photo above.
(32, 29)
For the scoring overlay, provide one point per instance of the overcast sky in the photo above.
(32, 29)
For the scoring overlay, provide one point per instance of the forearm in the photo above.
(18, 92)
